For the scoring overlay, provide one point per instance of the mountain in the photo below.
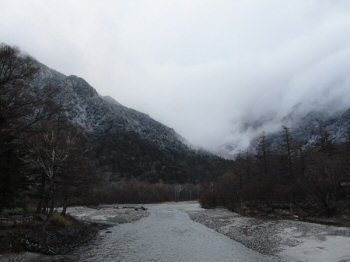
(127, 143)
(336, 124)
(98, 115)
(306, 127)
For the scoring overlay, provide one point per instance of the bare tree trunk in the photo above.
(45, 204)
(64, 209)
(41, 194)
(52, 202)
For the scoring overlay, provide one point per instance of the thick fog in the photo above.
(218, 72)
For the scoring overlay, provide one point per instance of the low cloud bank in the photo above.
(219, 72)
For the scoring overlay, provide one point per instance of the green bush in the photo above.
(60, 220)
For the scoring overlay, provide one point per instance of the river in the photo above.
(167, 234)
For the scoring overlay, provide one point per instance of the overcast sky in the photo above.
(207, 68)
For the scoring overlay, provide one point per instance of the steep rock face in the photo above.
(127, 143)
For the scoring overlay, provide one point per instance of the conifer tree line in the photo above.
(281, 172)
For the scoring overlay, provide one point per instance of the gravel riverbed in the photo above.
(181, 232)
(286, 239)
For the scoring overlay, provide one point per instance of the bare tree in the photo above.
(77, 173)
(48, 151)
(287, 148)
(325, 141)
(322, 180)
(262, 152)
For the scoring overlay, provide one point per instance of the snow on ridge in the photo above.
(97, 114)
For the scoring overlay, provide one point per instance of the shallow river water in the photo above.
(167, 234)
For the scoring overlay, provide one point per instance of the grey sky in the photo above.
(207, 68)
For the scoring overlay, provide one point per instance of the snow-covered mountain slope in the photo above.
(127, 143)
(147, 127)
(336, 124)
(98, 115)
(305, 127)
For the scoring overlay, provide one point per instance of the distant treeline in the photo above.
(136, 191)
(303, 178)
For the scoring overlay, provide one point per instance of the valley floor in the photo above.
(167, 234)
(185, 232)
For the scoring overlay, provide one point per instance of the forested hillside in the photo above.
(62, 144)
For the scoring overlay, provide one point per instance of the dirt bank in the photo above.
(55, 239)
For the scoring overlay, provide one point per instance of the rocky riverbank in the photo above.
(286, 239)
(109, 214)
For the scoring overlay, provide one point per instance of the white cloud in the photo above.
(204, 67)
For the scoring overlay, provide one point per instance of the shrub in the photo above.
(60, 220)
